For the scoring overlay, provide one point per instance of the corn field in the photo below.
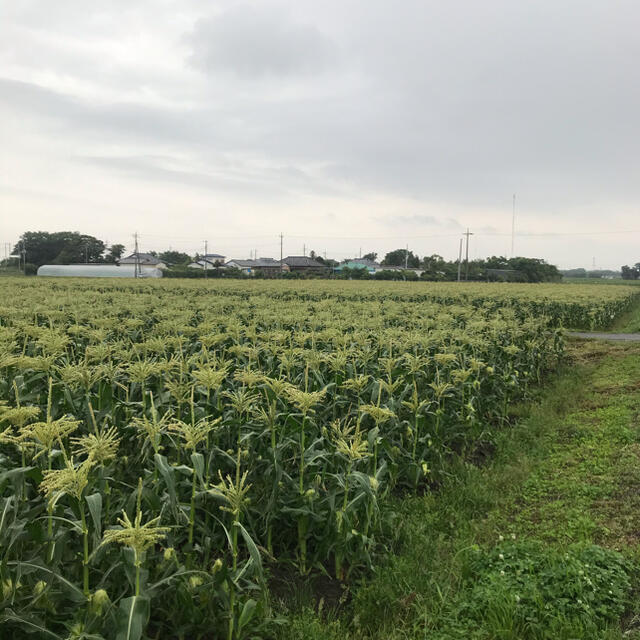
(165, 447)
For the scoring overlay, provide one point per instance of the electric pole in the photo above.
(205, 258)
(136, 266)
(460, 260)
(281, 264)
(304, 249)
(466, 260)
(406, 258)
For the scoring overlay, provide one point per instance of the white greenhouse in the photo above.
(98, 271)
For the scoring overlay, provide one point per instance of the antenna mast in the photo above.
(513, 227)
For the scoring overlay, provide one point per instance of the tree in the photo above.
(370, 256)
(435, 267)
(535, 269)
(114, 254)
(631, 273)
(175, 258)
(61, 247)
(400, 257)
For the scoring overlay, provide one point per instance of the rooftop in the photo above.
(140, 258)
(302, 261)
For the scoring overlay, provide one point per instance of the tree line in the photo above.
(36, 248)
(631, 273)
(70, 247)
(436, 268)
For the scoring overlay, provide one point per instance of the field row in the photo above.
(165, 447)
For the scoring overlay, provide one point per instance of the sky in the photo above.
(348, 126)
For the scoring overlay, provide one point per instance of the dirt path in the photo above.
(624, 337)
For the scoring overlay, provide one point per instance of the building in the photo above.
(390, 267)
(266, 266)
(303, 264)
(360, 263)
(144, 260)
(210, 260)
(98, 271)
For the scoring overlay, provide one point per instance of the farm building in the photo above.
(266, 266)
(98, 271)
(303, 263)
(360, 263)
(210, 260)
(143, 259)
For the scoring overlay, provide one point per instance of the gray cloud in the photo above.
(371, 112)
(256, 41)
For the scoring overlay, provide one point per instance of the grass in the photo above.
(564, 480)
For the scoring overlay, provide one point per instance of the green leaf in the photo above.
(167, 474)
(27, 625)
(13, 473)
(247, 613)
(132, 618)
(95, 509)
(253, 549)
(7, 502)
(75, 593)
(198, 464)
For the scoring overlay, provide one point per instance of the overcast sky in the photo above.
(343, 124)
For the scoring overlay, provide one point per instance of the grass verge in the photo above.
(541, 542)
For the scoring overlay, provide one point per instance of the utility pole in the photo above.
(466, 260)
(136, 266)
(406, 258)
(513, 227)
(304, 249)
(281, 264)
(206, 248)
(460, 260)
(86, 253)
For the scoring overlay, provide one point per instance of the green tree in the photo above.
(61, 247)
(631, 273)
(175, 258)
(114, 254)
(373, 256)
(399, 257)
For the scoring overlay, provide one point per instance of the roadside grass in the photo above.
(499, 551)
(628, 322)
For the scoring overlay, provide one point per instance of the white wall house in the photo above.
(211, 260)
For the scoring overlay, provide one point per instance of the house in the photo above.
(390, 267)
(210, 260)
(304, 264)
(144, 260)
(360, 263)
(266, 266)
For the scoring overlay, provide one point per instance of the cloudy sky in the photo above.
(343, 124)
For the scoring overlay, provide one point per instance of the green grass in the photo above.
(612, 281)
(628, 322)
(564, 478)
(11, 272)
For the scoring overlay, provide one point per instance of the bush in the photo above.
(538, 592)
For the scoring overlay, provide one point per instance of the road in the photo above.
(622, 337)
